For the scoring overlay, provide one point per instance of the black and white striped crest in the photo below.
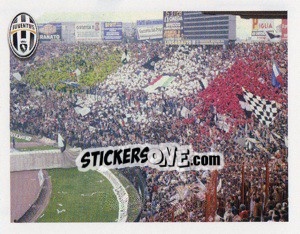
(23, 35)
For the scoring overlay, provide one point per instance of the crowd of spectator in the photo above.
(121, 112)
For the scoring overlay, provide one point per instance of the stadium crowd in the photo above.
(121, 111)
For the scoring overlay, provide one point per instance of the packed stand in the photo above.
(120, 111)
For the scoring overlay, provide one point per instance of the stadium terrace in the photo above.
(196, 105)
(229, 97)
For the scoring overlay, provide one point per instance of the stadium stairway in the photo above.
(45, 159)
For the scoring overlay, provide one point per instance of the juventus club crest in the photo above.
(23, 35)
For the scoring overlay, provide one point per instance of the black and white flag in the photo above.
(151, 63)
(125, 57)
(245, 106)
(264, 110)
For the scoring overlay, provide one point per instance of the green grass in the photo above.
(134, 205)
(68, 188)
(37, 148)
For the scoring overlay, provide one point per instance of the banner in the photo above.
(112, 31)
(88, 32)
(149, 29)
(18, 136)
(173, 27)
(160, 81)
(260, 27)
(50, 32)
(284, 30)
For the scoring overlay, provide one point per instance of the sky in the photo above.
(129, 10)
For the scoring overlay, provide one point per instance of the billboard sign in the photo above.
(50, 32)
(112, 31)
(88, 32)
(149, 29)
(173, 27)
(260, 29)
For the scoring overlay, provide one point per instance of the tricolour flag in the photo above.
(276, 76)
(160, 81)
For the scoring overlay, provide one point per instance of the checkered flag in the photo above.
(264, 110)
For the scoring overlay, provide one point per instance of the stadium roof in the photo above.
(252, 14)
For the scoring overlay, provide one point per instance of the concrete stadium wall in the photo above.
(46, 159)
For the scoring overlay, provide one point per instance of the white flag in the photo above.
(219, 185)
(60, 141)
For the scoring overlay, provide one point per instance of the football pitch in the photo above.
(86, 197)
(80, 197)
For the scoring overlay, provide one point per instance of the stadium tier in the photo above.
(178, 79)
